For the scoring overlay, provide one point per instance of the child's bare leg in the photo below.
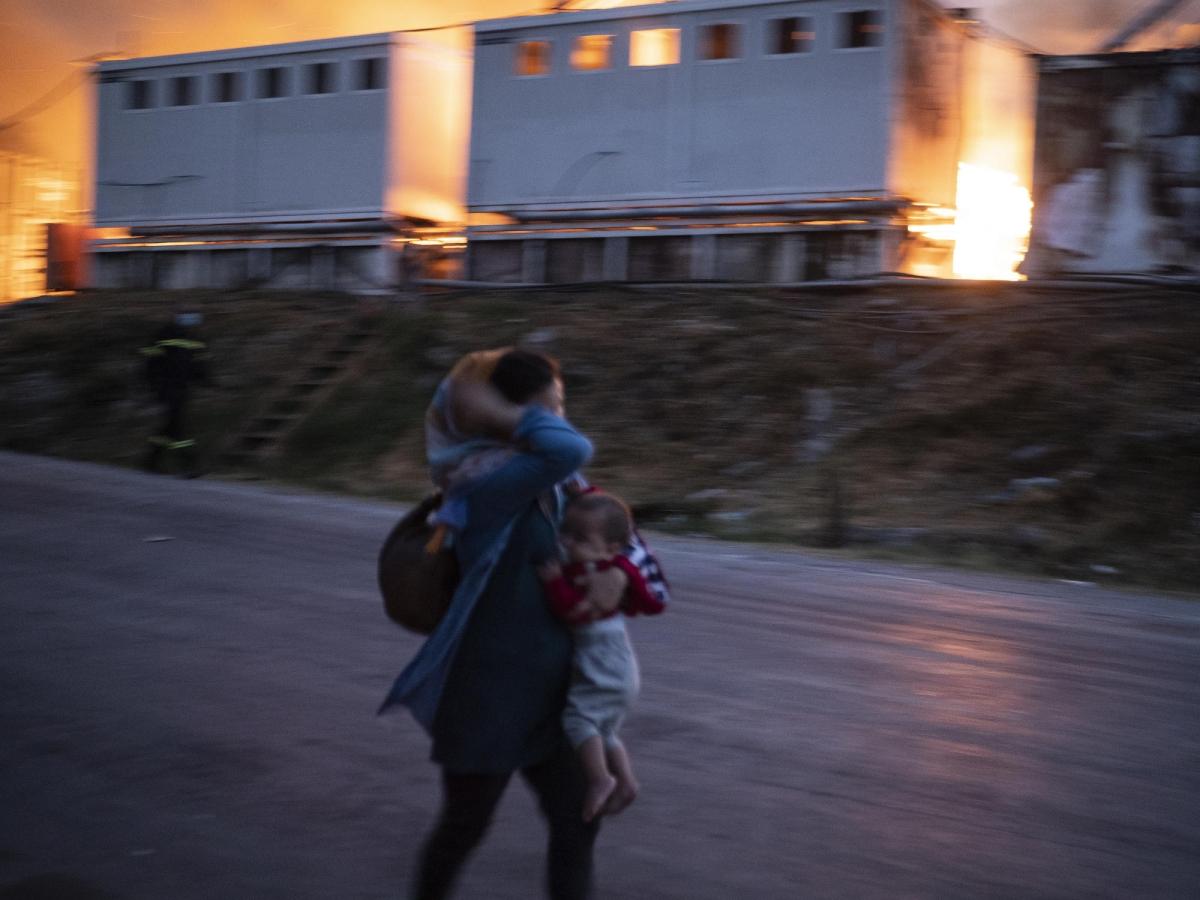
(600, 781)
(626, 790)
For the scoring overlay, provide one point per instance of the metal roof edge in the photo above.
(1057, 63)
(257, 51)
(641, 11)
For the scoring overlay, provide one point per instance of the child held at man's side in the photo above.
(596, 529)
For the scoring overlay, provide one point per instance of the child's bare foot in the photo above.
(599, 791)
(621, 797)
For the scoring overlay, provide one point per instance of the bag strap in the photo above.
(437, 539)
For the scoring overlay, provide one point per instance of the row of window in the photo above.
(716, 41)
(368, 74)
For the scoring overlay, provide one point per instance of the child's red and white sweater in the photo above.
(568, 600)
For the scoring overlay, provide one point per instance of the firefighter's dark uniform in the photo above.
(174, 361)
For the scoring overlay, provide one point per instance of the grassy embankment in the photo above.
(993, 426)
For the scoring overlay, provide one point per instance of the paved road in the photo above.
(189, 671)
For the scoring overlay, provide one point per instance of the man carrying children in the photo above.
(491, 683)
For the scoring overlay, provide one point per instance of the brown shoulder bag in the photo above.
(418, 571)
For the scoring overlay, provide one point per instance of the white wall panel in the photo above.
(803, 125)
(301, 156)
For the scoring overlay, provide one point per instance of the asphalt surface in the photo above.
(189, 672)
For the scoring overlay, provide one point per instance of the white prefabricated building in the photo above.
(734, 140)
(304, 164)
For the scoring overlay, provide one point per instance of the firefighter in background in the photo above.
(174, 362)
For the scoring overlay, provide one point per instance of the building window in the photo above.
(863, 28)
(533, 58)
(369, 74)
(227, 87)
(720, 41)
(654, 47)
(591, 52)
(183, 90)
(320, 78)
(794, 34)
(272, 82)
(138, 94)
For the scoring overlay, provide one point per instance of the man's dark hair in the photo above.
(616, 522)
(519, 374)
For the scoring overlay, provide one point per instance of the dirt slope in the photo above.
(1010, 426)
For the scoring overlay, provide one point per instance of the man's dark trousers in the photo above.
(468, 803)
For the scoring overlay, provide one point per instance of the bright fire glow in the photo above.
(654, 47)
(592, 52)
(603, 4)
(53, 191)
(33, 194)
(992, 223)
(989, 229)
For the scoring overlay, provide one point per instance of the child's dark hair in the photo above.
(520, 374)
(617, 522)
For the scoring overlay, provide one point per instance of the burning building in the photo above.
(734, 140)
(40, 215)
(307, 165)
(1118, 164)
(747, 140)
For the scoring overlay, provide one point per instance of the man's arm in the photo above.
(477, 408)
(550, 450)
(604, 588)
(567, 601)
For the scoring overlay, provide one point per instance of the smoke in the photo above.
(44, 43)
(1081, 26)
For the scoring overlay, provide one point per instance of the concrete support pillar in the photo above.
(104, 270)
(258, 264)
(220, 268)
(383, 268)
(616, 259)
(804, 247)
(704, 257)
(789, 259)
(141, 270)
(127, 268)
(322, 274)
(199, 269)
(533, 262)
(889, 240)
(471, 271)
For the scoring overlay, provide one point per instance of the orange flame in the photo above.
(992, 223)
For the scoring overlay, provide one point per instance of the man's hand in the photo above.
(478, 408)
(604, 589)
